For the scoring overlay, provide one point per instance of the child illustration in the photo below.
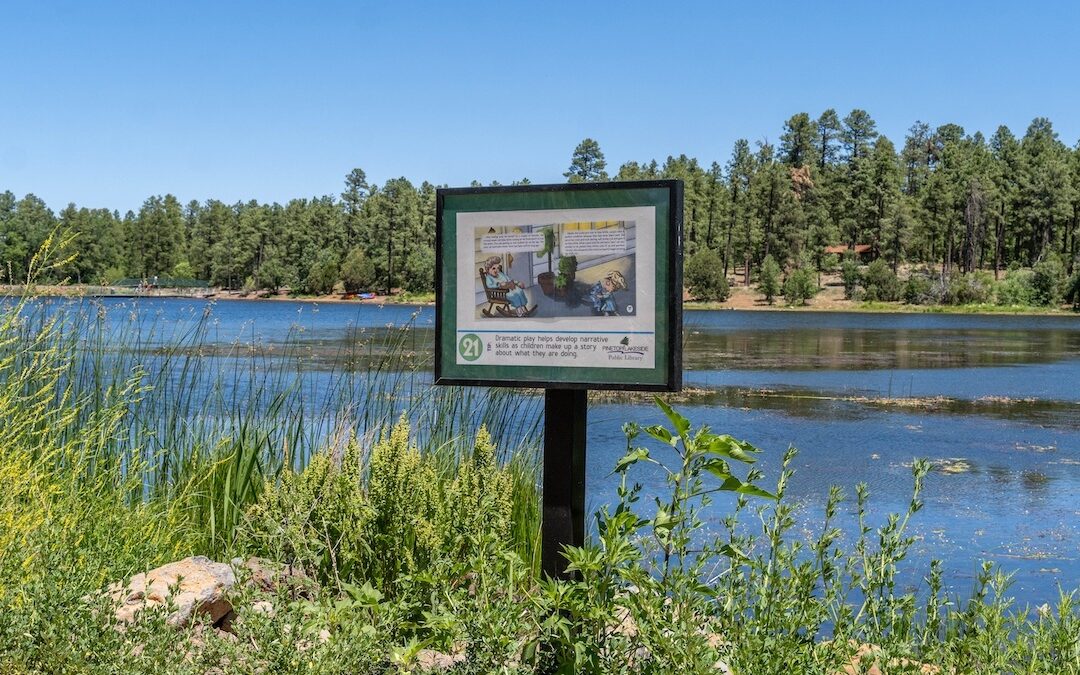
(495, 277)
(602, 293)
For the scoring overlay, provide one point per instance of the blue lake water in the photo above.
(861, 395)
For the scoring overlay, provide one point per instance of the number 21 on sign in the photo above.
(470, 347)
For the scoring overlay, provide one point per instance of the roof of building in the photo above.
(841, 249)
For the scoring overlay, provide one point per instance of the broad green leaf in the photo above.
(661, 434)
(718, 468)
(681, 424)
(727, 446)
(631, 458)
(733, 484)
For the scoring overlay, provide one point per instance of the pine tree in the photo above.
(587, 163)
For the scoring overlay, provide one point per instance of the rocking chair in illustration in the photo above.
(498, 305)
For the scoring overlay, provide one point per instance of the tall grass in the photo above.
(207, 422)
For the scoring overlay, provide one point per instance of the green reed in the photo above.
(209, 420)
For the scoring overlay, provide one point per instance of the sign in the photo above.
(573, 286)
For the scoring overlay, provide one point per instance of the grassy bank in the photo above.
(414, 513)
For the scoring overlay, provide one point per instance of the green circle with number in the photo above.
(470, 347)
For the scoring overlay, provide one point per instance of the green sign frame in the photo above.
(574, 286)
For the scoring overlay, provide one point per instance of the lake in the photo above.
(993, 401)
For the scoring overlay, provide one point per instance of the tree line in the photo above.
(944, 198)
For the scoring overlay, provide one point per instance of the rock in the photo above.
(429, 660)
(270, 577)
(866, 661)
(193, 585)
(263, 607)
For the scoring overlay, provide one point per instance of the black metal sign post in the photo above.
(503, 318)
(565, 418)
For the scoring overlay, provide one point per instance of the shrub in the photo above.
(1072, 290)
(357, 272)
(880, 282)
(112, 275)
(1046, 278)
(849, 274)
(800, 286)
(917, 289)
(183, 270)
(401, 516)
(1015, 289)
(705, 276)
(969, 289)
(769, 279)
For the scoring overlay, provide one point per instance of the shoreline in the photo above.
(741, 299)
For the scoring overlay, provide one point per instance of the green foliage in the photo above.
(272, 275)
(646, 568)
(587, 163)
(183, 270)
(357, 272)
(413, 549)
(1046, 281)
(568, 266)
(966, 289)
(850, 276)
(944, 198)
(1072, 290)
(1016, 289)
(419, 274)
(704, 276)
(549, 245)
(880, 283)
(800, 286)
(917, 289)
(567, 272)
(401, 513)
(323, 275)
(769, 279)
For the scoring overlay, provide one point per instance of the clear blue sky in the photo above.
(105, 103)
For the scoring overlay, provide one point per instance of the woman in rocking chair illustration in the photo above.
(495, 277)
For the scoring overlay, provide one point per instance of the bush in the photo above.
(1072, 290)
(769, 279)
(112, 275)
(849, 274)
(880, 282)
(917, 289)
(1015, 289)
(403, 515)
(970, 289)
(183, 270)
(800, 286)
(705, 278)
(357, 272)
(1046, 278)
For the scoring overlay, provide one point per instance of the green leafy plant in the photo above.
(640, 584)
(769, 279)
(880, 282)
(800, 286)
(704, 276)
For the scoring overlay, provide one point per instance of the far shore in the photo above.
(742, 298)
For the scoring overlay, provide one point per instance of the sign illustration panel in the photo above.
(572, 286)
